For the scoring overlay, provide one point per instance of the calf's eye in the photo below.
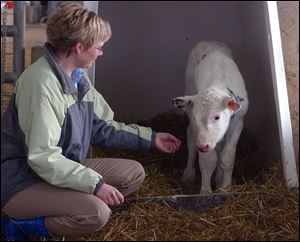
(217, 117)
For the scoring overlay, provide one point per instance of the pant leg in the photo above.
(68, 213)
(72, 213)
(126, 175)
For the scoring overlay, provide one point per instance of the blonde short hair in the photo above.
(72, 23)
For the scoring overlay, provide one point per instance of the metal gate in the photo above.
(16, 31)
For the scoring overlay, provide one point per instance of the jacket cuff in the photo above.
(98, 186)
(153, 136)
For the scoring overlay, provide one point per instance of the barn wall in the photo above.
(261, 118)
(143, 64)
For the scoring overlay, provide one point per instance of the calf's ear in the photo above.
(182, 102)
(232, 105)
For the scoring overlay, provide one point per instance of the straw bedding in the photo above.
(270, 212)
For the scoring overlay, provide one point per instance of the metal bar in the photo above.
(281, 95)
(19, 39)
(192, 202)
(11, 31)
(17, 32)
(174, 197)
(9, 77)
(52, 6)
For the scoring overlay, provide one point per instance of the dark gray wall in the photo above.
(261, 117)
(143, 64)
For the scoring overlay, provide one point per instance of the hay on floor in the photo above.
(270, 212)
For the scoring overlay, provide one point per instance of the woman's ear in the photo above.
(78, 47)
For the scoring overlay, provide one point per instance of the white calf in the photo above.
(216, 101)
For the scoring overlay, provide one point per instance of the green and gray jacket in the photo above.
(49, 125)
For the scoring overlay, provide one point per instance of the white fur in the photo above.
(210, 72)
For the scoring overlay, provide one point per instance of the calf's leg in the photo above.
(227, 158)
(207, 164)
(189, 173)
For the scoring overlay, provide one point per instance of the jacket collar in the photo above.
(64, 79)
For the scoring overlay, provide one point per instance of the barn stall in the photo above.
(158, 37)
(149, 49)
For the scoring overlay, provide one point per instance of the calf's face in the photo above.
(209, 117)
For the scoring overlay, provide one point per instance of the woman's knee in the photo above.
(100, 217)
(135, 178)
(136, 174)
(140, 173)
(82, 224)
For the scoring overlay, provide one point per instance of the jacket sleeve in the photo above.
(108, 133)
(40, 115)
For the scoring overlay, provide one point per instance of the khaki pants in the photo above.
(70, 213)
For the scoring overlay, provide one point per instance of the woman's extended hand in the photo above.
(167, 143)
(110, 195)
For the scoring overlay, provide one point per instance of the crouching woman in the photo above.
(48, 186)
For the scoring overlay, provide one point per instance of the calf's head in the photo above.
(209, 115)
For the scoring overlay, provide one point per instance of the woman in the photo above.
(48, 187)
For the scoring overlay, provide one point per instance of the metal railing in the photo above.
(16, 31)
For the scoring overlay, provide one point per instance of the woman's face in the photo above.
(88, 56)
